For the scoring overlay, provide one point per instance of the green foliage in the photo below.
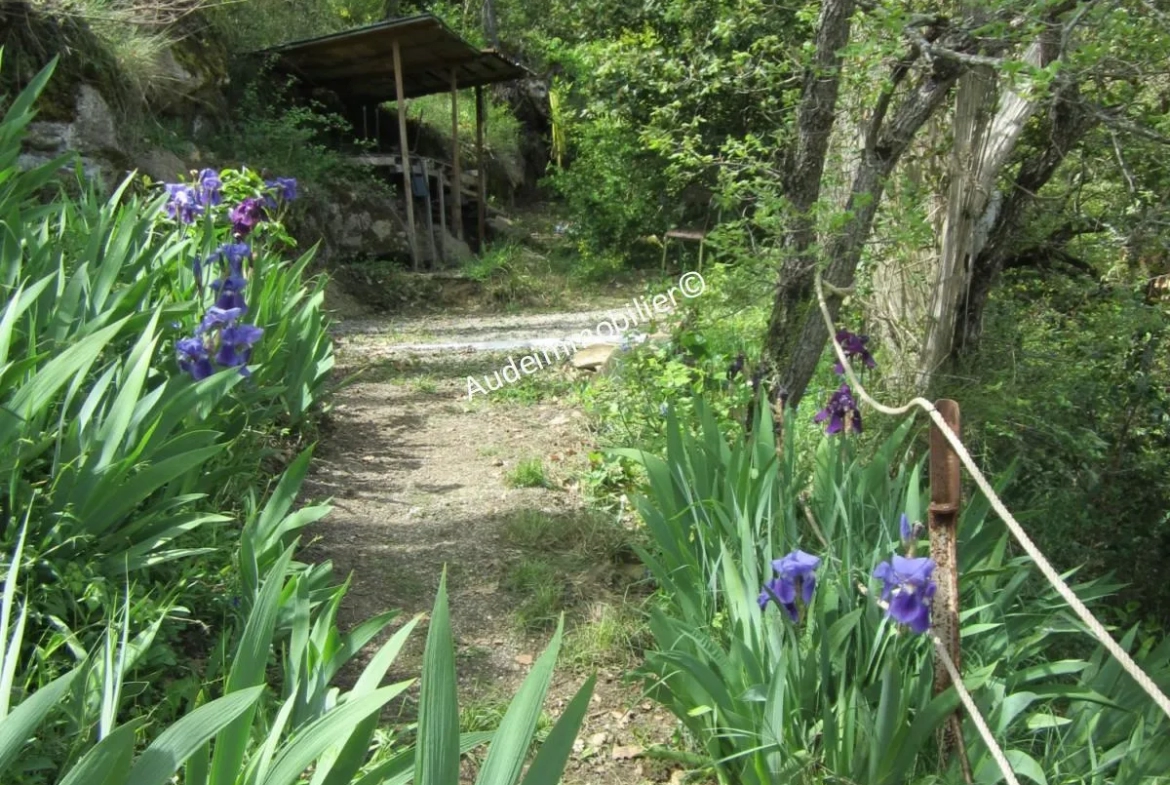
(501, 141)
(839, 695)
(529, 473)
(124, 473)
(1075, 391)
(259, 24)
(508, 274)
(628, 403)
(275, 134)
(613, 190)
(120, 451)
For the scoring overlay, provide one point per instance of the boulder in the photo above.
(456, 253)
(354, 225)
(94, 129)
(502, 227)
(160, 165)
(48, 137)
(594, 358)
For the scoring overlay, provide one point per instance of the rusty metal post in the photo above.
(945, 492)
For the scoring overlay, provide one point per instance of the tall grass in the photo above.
(135, 34)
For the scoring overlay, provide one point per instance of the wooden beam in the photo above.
(404, 148)
(439, 178)
(456, 172)
(480, 164)
(430, 215)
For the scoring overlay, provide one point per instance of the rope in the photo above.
(965, 697)
(1082, 611)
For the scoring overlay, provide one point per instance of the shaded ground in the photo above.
(423, 478)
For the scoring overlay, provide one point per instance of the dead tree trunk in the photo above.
(983, 148)
(1068, 120)
(489, 23)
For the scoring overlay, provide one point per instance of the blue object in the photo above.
(418, 185)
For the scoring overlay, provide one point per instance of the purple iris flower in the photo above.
(209, 187)
(796, 575)
(854, 348)
(230, 293)
(218, 317)
(905, 530)
(230, 288)
(908, 587)
(235, 347)
(193, 358)
(184, 204)
(245, 215)
(285, 187)
(840, 410)
(233, 254)
(197, 269)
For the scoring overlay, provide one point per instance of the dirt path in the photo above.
(422, 477)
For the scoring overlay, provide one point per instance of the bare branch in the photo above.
(883, 103)
(935, 52)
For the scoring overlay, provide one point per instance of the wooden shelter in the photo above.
(399, 59)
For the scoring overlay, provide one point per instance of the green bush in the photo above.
(1074, 389)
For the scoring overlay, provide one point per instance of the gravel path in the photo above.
(419, 475)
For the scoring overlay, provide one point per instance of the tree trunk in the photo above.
(489, 23)
(1067, 123)
(797, 333)
(802, 187)
(981, 152)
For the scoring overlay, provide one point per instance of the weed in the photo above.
(426, 384)
(485, 712)
(585, 538)
(529, 473)
(545, 592)
(544, 385)
(613, 634)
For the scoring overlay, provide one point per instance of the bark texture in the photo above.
(802, 186)
(797, 334)
(1068, 120)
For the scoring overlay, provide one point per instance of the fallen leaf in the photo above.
(625, 753)
(524, 659)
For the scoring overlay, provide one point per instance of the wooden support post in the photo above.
(440, 185)
(430, 215)
(456, 169)
(404, 145)
(945, 492)
(480, 166)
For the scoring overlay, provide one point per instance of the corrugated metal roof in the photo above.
(358, 64)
